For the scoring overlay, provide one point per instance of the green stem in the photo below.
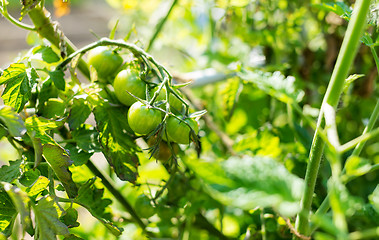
(370, 125)
(369, 233)
(376, 58)
(11, 19)
(361, 139)
(120, 198)
(332, 96)
(137, 51)
(159, 26)
(46, 28)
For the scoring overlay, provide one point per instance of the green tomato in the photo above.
(163, 152)
(128, 81)
(143, 119)
(179, 132)
(105, 61)
(175, 103)
(143, 206)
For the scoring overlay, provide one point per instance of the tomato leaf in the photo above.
(8, 213)
(19, 82)
(37, 126)
(47, 54)
(79, 113)
(22, 203)
(48, 225)
(12, 121)
(77, 155)
(59, 160)
(118, 147)
(37, 187)
(237, 180)
(70, 217)
(92, 198)
(87, 138)
(58, 78)
(230, 95)
(275, 84)
(11, 172)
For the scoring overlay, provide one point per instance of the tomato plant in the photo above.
(180, 131)
(106, 62)
(143, 119)
(214, 127)
(128, 81)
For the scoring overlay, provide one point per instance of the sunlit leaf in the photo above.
(59, 160)
(11, 172)
(8, 213)
(12, 121)
(117, 146)
(48, 225)
(275, 84)
(19, 81)
(47, 54)
(37, 187)
(22, 203)
(92, 198)
(230, 94)
(250, 182)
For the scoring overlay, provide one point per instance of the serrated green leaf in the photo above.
(92, 198)
(8, 213)
(275, 84)
(230, 94)
(37, 187)
(48, 225)
(79, 113)
(29, 177)
(250, 182)
(19, 82)
(339, 8)
(70, 217)
(47, 54)
(77, 155)
(37, 127)
(22, 203)
(86, 138)
(12, 121)
(11, 172)
(59, 160)
(72, 237)
(118, 147)
(374, 198)
(58, 78)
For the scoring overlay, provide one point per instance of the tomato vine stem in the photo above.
(332, 96)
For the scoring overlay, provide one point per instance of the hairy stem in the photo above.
(332, 96)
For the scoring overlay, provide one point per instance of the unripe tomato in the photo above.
(105, 61)
(128, 81)
(144, 207)
(179, 132)
(175, 103)
(163, 152)
(143, 119)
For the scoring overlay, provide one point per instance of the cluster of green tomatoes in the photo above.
(144, 117)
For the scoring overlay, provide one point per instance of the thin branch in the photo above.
(160, 25)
